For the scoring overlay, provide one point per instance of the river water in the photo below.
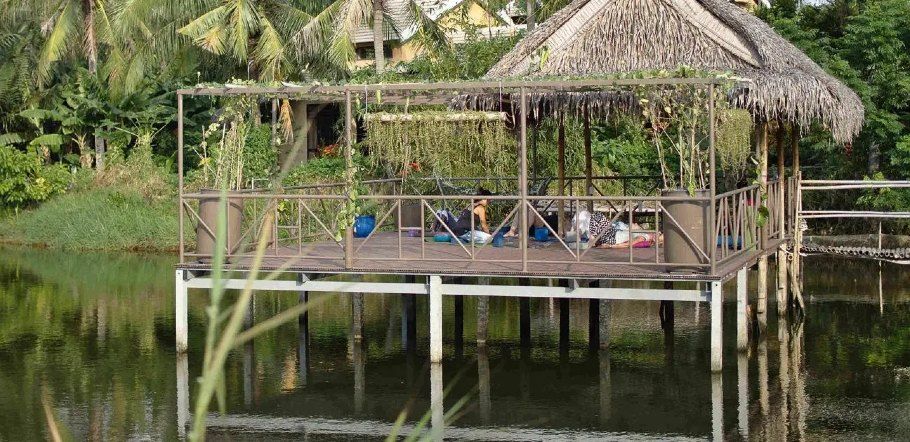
(88, 339)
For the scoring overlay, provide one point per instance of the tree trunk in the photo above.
(91, 56)
(378, 37)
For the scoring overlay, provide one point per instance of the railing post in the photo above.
(349, 179)
(523, 179)
(180, 213)
(712, 227)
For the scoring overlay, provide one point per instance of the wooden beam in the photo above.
(561, 172)
(589, 166)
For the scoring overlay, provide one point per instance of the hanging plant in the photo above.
(733, 144)
(441, 143)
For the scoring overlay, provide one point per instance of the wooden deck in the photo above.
(418, 256)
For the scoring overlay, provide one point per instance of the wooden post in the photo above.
(349, 177)
(589, 162)
(796, 270)
(303, 342)
(180, 214)
(563, 326)
(561, 173)
(181, 329)
(459, 326)
(435, 318)
(483, 317)
(523, 178)
(782, 299)
(603, 325)
(761, 145)
(524, 321)
(763, 394)
(483, 384)
(606, 386)
(358, 360)
(742, 301)
(593, 324)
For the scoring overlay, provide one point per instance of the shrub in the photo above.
(260, 157)
(25, 179)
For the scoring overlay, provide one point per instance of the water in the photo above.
(91, 337)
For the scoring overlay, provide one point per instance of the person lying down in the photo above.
(611, 234)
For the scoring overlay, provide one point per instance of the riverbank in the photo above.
(100, 218)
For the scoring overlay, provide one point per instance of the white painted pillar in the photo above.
(181, 328)
(435, 318)
(716, 326)
(742, 301)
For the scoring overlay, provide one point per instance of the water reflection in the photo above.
(101, 344)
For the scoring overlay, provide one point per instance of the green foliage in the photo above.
(101, 219)
(325, 169)
(732, 144)
(260, 157)
(25, 180)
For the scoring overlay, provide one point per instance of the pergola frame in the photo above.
(442, 94)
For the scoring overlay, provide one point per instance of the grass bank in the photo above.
(96, 219)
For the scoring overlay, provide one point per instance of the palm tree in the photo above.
(253, 32)
(329, 36)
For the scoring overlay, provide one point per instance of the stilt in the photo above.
(183, 394)
(437, 409)
(483, 384)
(593, 324)
(761, 305)
(483, 316)
(783, 302)
(563, 326)
(761, 147)
(435, 319)
(357, 316)
(606, 387)
(524, 322)
(742, 386)
(604, 323)
(409, 322)
(742, 301)
(303, 342)
(716, 326)
(717, 405)
(459, 326)
(783, 374)
(180, 312)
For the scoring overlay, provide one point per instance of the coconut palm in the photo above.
(253, 32)
(329, 36)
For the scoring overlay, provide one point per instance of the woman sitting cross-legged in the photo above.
(472, 219)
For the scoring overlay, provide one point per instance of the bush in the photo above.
(25, 179)
(260, 157)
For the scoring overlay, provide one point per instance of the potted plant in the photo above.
(677, 118)
(221, 155)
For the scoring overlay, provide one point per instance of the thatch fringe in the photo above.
(602, 37)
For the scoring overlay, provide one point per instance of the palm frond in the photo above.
(61, 28)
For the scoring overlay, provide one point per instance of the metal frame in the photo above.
(442, 93)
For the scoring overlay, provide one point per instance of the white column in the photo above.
(437, 410)
(716, 326)
(180, 314)
(435, 319)
(742, 301)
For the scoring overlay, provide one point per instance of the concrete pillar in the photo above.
(604, 323)
(181, 330)
(303, 342)
(563, 326)
(459, 326)
(717, 406)
(524, 322)
(435, 318)
(742, 301)
(593, 324)
(763, 399)
(761, 306)
(717, 331)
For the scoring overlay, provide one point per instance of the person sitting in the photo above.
(472, 219)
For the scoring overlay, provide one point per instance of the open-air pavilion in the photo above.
(601, 41)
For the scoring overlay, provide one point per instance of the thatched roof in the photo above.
(603, 37)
